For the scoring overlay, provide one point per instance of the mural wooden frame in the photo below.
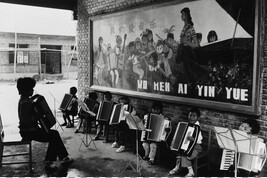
(252, 109)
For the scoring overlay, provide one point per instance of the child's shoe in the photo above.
(151, 162)
(114, 145)
(146, 158)
(50, 165)
(106, 141)
(189, 175)
(96, 138)
(66, 161)
(174, 171)
(121, 149)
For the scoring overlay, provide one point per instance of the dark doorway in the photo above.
(51, 59)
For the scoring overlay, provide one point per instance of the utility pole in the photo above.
(15, 57)
(72, 54)
(40, 60)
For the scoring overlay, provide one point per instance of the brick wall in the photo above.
(210, 117)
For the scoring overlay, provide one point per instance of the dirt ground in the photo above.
(99, 161)
(88, 161)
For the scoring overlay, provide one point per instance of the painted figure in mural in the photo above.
(164, 55)
(120, 54)
(170, 38)
(135, 61)
(153, 69)
(116, 63)
(138, 46)
(192, 72)
(171, 43)
(199, 38)
(112, 62)
(144, 43)
(99, 64)
(151, 44)
(212, 36)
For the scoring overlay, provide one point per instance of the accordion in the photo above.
(44, 114)
(104, 111)
(89, 104)
(66, 103)
(180, 142)
(118, 114)
(155, 125)
(246, 161)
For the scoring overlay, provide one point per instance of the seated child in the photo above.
(150, 147)
(73, 111)
(186, 160)
(30, 128)
(93, 96)
(251, 127)
(121, 130)
(99, 124)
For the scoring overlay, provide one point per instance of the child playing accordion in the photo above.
(184, 160)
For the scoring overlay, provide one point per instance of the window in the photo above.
(22, 55)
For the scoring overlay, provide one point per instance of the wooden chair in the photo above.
(14, 142)
(203, 159)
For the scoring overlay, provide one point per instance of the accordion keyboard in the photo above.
(228, 157)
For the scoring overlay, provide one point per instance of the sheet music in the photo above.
(134, 122)
(225, 139)
(85, 108)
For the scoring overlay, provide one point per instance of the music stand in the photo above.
(55, 112)
(235, 140)
(135, 123)
(87, 139)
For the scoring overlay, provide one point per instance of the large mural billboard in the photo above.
(198, 51)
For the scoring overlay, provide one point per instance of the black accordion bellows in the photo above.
(44, 113)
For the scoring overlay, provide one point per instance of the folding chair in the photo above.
(14, 142)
